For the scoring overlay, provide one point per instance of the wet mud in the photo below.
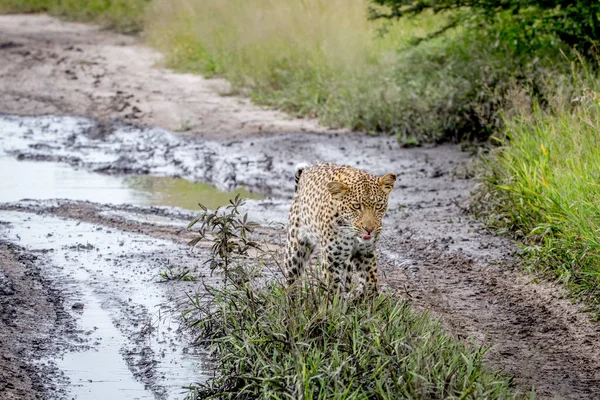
(262, 165)
(71, 265)
(111, 336)
(32, 325)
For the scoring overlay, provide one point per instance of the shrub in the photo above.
(575, 23)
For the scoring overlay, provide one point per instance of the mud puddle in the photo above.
(23, 179)
(262, 165)
(125, 347)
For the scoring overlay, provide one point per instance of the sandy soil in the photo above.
(53, 67)
(431, 250)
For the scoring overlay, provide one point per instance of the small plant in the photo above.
(169, 274)
(228, 231)
(184, 126)
(410, 141)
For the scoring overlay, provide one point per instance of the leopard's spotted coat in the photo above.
(339, 209)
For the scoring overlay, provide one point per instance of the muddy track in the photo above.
(51, 67)
(536, 334)
(25, 296)
(431, 250)
(102, 327)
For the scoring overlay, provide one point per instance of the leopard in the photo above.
(338, 209)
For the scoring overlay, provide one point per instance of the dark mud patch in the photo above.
(33, 326)
(101, 130)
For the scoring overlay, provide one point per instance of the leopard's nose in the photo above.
(368, 229)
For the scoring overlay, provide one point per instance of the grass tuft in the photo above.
(273, 345)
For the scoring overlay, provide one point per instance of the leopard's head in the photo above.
(360, 202)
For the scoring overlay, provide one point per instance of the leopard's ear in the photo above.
(387, 182)
(337, 189)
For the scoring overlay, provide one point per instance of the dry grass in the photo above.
(256, 36)
(314, 58)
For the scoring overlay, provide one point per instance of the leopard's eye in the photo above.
(356, 206)
(380, 206)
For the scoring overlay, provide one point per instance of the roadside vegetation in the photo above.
(356, 63)
(125, 16)
(330, 60)
(272, 342)
(542, 185)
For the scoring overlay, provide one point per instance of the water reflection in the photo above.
(181, 193)
(51, 180)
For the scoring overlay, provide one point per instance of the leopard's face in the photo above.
(359, 204)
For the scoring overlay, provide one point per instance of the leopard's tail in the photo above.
(299, 169)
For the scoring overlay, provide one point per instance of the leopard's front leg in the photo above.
(365, 266)
(298, 250)
(335, 259)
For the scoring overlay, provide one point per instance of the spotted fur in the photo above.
(338, 209)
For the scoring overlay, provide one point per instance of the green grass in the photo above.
(271, 345)
(122, 15)
(544, 186)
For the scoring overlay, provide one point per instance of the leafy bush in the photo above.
(576, 23)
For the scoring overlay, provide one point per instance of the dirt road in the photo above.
(49, 67)
(431, 250)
